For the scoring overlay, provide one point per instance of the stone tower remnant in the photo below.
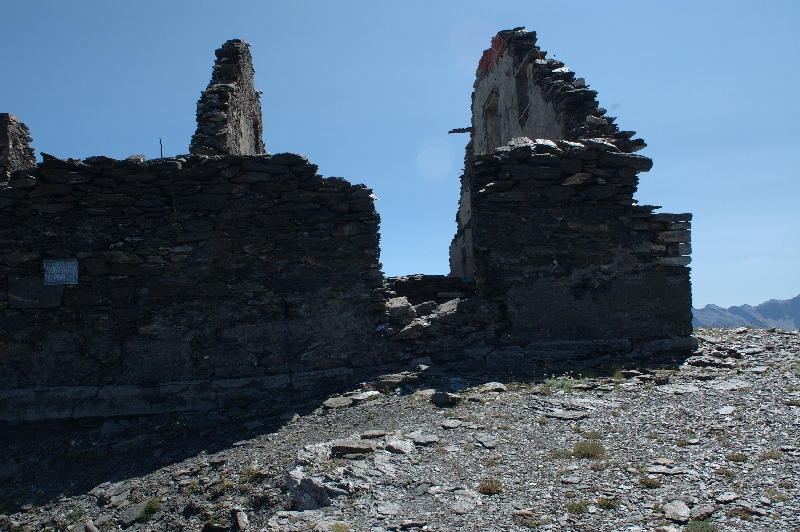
(229, 110)
(15, 152)
(547, 223)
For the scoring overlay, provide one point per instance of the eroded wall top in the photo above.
(229, 110)
(15, 153)
(520, 93)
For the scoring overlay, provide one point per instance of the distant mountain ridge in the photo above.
(783, 314)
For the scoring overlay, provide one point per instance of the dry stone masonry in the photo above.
(229, 110)
(547, 223)
(15, 152)
(200, 280)
(232, 277)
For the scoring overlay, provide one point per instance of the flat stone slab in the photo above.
(445, 399)
(731, 385)
(425, 439)
(567, 415)
(703, 512)
(727, 497)
(353, 447)
(493, 387)
(338, 402)
(676, 511)
(365, 396)
(130, 515)
(400, 446)
(665, 470)
(486, 440)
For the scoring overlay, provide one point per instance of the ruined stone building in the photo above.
(230, 277)
(547, 222)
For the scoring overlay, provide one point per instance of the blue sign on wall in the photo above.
(61, 271)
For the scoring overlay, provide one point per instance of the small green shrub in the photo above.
(598, 466)
(649, 482)
(75, 514)
(701, 526)
(741, 513)
(589, 449)
(561, 454)
(726, 472)
(340, 527)
(592, 435)
(736, 457)
(153, 505)
(577, 507)
(252, 474)
(562, 383)
(221, 488)
(772, 454)
(490, 486)
(776, 495)
(607, 504)
(493, 461)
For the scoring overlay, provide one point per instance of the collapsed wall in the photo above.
(549, 227)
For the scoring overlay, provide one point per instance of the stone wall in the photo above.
(549, 227)
(15, 152)
(202, 282)
(229, 110)
(231, 277)
(559, 241)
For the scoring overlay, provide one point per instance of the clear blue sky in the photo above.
(368, 90)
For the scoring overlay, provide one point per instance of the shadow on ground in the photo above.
(45, 461)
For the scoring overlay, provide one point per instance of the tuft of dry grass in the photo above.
(736, 457)
(772, 454)
(589, 449)
(607, 504)
(649, 482)
(490, 486)
(577, 507)
(726, 472)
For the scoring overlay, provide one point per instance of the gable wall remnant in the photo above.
(547, 223)
(229, 111)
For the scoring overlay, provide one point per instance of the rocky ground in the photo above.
(713, 444)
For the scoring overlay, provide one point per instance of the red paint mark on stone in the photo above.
(490, 56)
